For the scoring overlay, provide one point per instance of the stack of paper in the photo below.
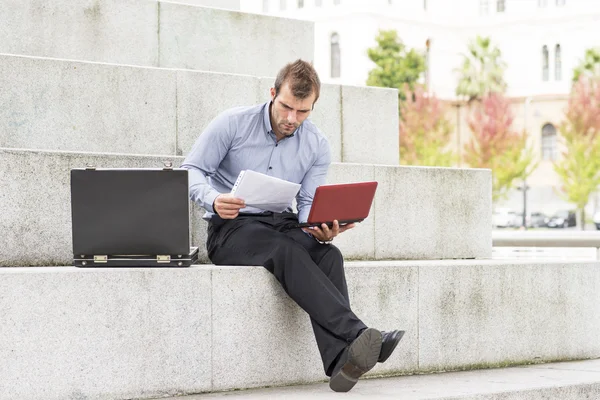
(264, 192)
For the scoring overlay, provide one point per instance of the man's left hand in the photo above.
(326, 234)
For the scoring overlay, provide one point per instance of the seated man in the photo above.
(277, 139)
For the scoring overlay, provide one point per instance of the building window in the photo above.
(282, 5)
(545, 64)
(300, 3)
(560, 3)
(549, 142)
(542, 3)
(335, 55)
(425, 5)
(318, 3)
(557, 63)
(336, 2)
(500, 6)
(265, 6)
(484, 6)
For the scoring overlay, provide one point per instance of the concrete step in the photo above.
(52, 104)
(154, 33)
(144, 333)
(561, 381)
(418, 213)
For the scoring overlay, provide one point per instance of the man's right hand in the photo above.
(227, 206)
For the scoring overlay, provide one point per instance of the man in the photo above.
(277, 139)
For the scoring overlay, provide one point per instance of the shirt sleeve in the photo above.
(204, 159)
(315, 177)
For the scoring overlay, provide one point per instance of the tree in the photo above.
(579, 168)
(497, 146)
(589, 66)
(482, 70)
(396, 66)
(424, 130)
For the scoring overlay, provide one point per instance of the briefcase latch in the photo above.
(163, 259)
(168, 165)
(100, 259)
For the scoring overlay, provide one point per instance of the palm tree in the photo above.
(482, 70)
(589, 66)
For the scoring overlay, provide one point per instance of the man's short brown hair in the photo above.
(302, 78)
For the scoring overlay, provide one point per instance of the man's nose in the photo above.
(292, 117)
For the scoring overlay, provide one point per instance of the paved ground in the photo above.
(561, 381)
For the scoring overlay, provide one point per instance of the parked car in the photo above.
(597, 220)
(537, 220)
(562, 219)
(504, 218)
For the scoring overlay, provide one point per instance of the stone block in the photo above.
(202, 39)
(201, 96)
(115, 31)
(432, 213)
(497, 313)
(104, 333)
(73, 106)
(370, 125)
(269, 343)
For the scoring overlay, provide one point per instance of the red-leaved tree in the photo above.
(496, 145)
(424, 130)
(579, 168)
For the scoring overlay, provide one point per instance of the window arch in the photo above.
(549, 142)
(557, 63)
(545, 63)
(335, 55)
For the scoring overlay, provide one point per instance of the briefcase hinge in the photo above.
(90, 167)
(168, 165)
(163, 259)
(100, 259)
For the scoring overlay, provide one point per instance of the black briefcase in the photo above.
(131, 218)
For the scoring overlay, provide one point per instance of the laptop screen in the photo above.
(130, 211)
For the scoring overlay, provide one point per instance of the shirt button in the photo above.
(270, 167)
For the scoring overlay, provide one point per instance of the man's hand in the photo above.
(324, 234)
(227, 206)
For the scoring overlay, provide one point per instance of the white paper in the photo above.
(264, 192)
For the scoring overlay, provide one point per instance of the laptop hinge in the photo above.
(100, 259)
(163, 259)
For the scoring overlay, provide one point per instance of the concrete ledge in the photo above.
(64, 105)
(418, 213)
(154, 33)
(125, 333)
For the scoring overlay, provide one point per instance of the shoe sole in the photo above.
(362, 357)
(401, 334)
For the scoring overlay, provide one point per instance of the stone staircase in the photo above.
(131, 83)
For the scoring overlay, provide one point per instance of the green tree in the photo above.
(497, 146)
(424, 131)
(482, 70)
(579, 168)
(395, 64)
(589, 66)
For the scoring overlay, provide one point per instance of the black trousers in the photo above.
(312, 274)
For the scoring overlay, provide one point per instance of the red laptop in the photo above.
(346, 203)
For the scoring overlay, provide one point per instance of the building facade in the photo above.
(541, 41)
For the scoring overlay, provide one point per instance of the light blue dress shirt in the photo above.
(242, 138)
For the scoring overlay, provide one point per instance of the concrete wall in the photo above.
(140, 333)
(418, 213)
(75, 106)
(151, 33)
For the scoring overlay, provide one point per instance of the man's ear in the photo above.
(273, 93)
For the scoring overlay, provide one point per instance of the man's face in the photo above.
(288, 111)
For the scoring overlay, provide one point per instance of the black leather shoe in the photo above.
(388, 343)
(356, 360)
